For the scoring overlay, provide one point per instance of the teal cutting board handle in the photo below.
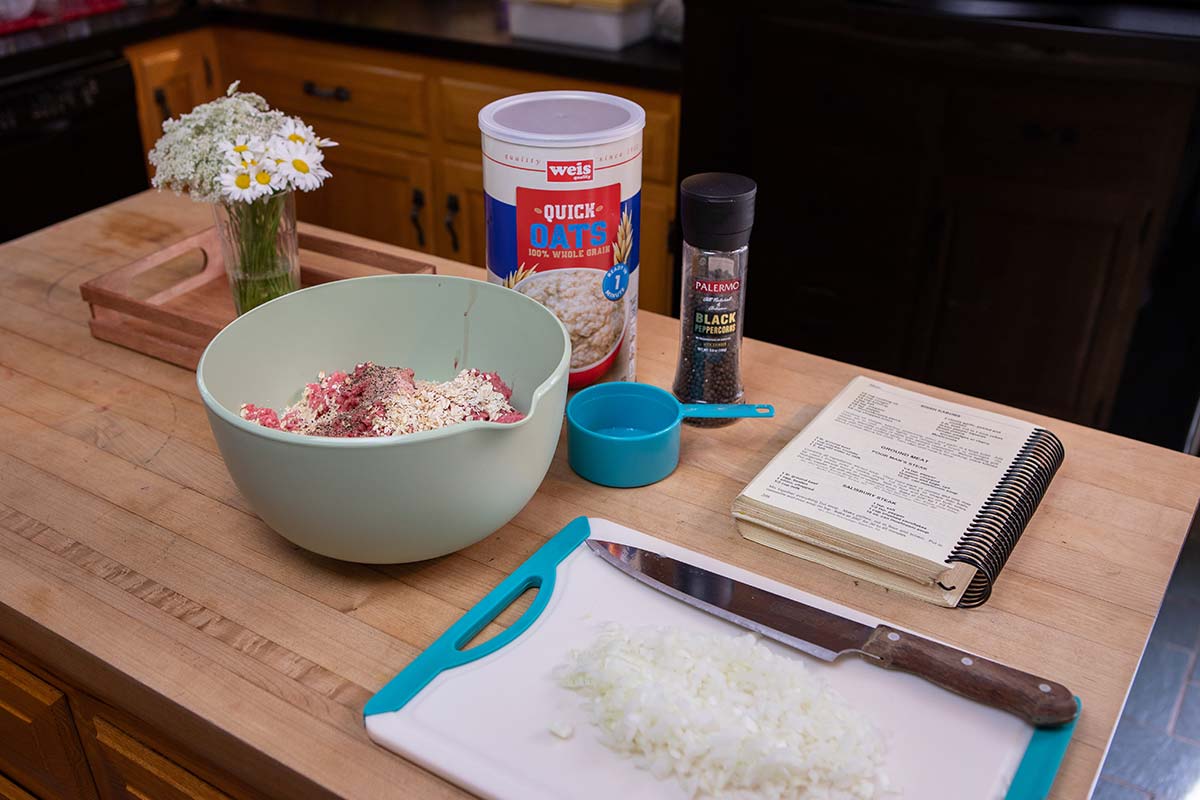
(446, 653)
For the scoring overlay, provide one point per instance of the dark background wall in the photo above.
(997, 206)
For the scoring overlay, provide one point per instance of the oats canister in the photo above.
(562, 180)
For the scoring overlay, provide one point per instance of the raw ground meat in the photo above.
(387, 401)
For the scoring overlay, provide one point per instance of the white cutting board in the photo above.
(485, 725)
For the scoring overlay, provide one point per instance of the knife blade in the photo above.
(828, 636)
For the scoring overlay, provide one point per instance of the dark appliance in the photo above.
(69, 142)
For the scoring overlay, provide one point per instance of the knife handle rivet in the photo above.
(1044, 687)
(895, 637)
(967, 661)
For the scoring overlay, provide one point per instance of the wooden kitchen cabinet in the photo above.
(656, 283)
(41, 751)
(127, 769)
(59, 742)
(172, 75)
(379, 189)
(408, 166)
(10, 791)
(461, 224)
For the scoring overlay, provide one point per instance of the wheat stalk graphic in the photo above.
(521, 274)
(624, 242)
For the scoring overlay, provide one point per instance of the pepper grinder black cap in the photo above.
(717, 210)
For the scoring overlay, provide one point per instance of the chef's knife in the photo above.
(828, 636)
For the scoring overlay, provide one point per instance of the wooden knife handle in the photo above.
(1043, 703)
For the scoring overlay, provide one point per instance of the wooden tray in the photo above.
(185, 309)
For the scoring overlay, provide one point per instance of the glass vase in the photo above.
(258, 241)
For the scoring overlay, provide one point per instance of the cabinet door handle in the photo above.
(452, 209)
(208, 72)
(339, 93)
(160, 99)
(418, 203)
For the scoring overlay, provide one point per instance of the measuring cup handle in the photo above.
(727, 410)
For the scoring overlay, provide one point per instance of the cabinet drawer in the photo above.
(461, 101)
(39, 748)
(126, 769)
(349, 84)
(1084, 133)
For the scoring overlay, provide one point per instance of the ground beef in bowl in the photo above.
(388, 401)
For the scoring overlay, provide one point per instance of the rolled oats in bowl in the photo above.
(562, 179)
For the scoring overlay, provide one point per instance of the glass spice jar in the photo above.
(716, 213)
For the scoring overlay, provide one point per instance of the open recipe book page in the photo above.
(886, 476)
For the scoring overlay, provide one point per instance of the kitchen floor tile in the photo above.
(1159, 682)
(1107, 790)
(1167, 767)
(1188, 723)
(1185, 581)
(1178, 620)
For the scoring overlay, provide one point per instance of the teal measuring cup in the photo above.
(627, 434)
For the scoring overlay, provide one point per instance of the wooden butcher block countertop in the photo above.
(132, 569)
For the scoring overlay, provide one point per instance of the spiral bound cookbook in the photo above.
(919, 495)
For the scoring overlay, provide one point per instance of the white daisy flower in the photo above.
(267, 177)
(299, 163)
(243, 148)
(294, 130)
(240, 186)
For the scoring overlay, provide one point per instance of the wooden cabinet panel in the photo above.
(660, 146)
(375, 188)
(460, 207)
(350, 84)
(657, 266)
(1026, 288)
(41, 750)
(10, 791)
(172, 75)
(460, 101)
(126, 769)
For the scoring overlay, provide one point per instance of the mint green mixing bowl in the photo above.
(388, 499)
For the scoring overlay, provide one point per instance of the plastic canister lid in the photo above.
(561, 119)
(717, 210)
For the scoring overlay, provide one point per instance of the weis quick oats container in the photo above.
(562, 179)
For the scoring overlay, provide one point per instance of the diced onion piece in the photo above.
(725, 716)
(563, 730)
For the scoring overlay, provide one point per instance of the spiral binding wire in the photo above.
(992, 535)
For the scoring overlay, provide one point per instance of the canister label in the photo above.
(563, 227)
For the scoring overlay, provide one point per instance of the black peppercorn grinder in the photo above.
(716, 213)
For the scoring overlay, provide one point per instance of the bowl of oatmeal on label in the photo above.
(392, 418)
(596, 324)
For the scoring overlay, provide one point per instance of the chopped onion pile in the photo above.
(725, 715)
